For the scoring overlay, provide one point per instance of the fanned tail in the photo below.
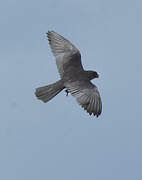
(46, 93)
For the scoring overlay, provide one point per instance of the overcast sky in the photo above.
(58, 140)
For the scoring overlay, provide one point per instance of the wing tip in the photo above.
(49, 33)
(97, 114)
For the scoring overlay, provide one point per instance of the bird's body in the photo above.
(73, 77)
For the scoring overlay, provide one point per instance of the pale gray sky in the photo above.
(59, 140)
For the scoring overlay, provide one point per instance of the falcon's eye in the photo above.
(96, 74)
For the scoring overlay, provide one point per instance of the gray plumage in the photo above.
(73, 77)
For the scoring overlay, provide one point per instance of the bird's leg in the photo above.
(67, 92)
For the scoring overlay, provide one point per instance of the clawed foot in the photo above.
(67, 92)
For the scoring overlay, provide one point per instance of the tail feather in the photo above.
(46, 93)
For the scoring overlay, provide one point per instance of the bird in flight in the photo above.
(73, 78)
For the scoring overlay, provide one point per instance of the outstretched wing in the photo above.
(66, 54)
(87, 95)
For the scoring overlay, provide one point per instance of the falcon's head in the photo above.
(92, 74)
